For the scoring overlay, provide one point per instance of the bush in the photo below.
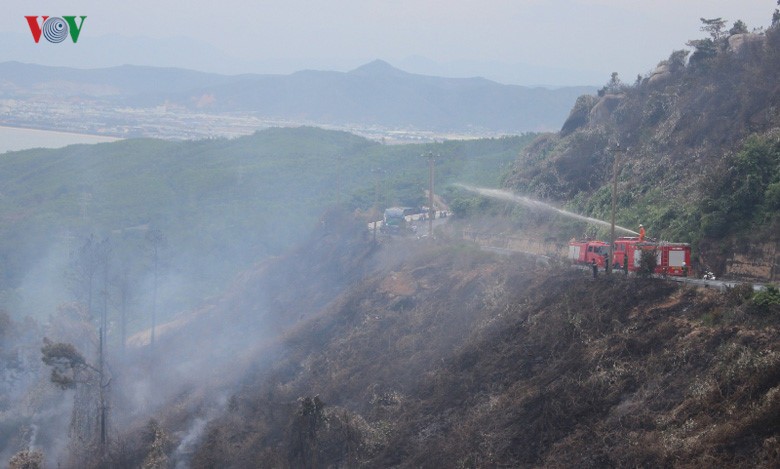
(647, 263)
(739, 294)
(766, 300)
(28, 459)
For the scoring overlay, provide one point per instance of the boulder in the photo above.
(661, 72)
(603, 109)
(743, 43)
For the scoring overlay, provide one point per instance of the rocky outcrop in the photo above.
(759, 263)
(661, 73)
(743, 43)
(603, 109)
(578, 116)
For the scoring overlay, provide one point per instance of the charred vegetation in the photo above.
(458, 358)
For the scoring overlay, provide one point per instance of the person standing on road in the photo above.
(595, 268)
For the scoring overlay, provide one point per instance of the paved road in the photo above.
(720, 285)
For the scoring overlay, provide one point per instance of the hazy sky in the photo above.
(594, 37)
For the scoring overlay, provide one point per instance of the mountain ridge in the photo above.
(375, 93)
(698, 158)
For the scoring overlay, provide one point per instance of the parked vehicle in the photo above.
(587, 251)
(672, 258)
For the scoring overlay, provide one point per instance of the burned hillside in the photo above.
(456, 357)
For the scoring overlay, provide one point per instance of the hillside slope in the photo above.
(222, 204)
(420, 356)
(699, 159)
(452, 357)
(408, 354)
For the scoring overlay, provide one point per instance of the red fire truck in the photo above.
(586, 251)
(672, 258)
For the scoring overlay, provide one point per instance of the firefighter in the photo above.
(641, 232)
(625, 263)
(595, 268)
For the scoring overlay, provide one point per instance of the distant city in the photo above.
(376, 101)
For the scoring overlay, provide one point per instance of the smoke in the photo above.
(200, 355)
(535, 204)
(33, 436)
(185, 449)
(43, 286)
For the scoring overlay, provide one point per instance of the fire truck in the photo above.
(671, 258)
(586, 251)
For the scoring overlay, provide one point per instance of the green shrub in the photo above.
(647, 263)
(766, 301)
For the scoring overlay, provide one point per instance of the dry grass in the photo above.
(457, 358)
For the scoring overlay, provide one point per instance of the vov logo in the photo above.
(55, 29)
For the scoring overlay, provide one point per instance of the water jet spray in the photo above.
(535, 204)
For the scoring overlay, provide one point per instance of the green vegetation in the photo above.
(700, 159)
(767, 300)
(747, 194)
(221, 204)
(648, 261)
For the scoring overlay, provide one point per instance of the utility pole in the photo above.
(102, 397)
(431, 211)
(104, 252)
(615, 168)
(376, 197)
(338, 180)
(156, 238)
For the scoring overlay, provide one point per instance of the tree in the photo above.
(677, 60)
(714, 27)
(309, 418)
(69, 370)
(68, 366)
(27, 459)
(614, 85)
(648, 260)
(5, 326)
(776, 16)
(159, 445)
(708, 47)
(705, 49)
(156, 240)
(90, 267)
(125, 286)
(82, 270)
(739, 28)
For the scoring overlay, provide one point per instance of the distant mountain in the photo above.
(374, 94)
(377, 93)
(504, 72)
(125, 80)
(194, 53)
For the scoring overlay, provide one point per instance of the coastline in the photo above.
(24, 138)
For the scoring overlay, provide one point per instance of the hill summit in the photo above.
(377, 68)
(697, 148)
